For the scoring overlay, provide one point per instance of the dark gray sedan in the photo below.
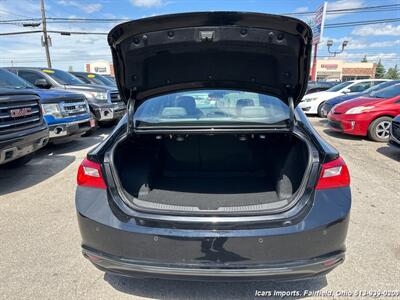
(194, 186)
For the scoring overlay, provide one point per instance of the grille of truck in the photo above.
(74, 107)
(19, 112)
(115, 98)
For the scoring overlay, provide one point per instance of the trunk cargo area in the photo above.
(211, 173)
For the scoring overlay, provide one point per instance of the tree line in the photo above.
(391, 73)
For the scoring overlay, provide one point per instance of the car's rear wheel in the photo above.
(92, 129)
(379, 129)
(319, 111)
(107, 124)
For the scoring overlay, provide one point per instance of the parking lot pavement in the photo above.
(40, 241)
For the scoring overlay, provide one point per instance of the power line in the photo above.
(377, 8)
(328, 26)
(20, 32)
(357, 23)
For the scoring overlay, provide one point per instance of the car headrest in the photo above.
(253, 112)
(188, 103)
(173, 112)
(244, 102)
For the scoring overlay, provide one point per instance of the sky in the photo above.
(379, 41)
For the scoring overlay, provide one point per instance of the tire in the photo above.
(93, 129)
(19, 162)
(319, 110)
(378, 130)
(106, 124)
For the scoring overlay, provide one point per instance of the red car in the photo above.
(367, 116)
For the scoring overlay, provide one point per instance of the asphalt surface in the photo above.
(40, 240)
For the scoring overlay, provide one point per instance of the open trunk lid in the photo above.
(245, 51)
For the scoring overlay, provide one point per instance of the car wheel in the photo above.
(319, 111)
(19, 162)
(379, 129)
(93, 129)
(106, 124)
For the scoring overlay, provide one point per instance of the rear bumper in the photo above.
(394, 142)
(394, 139)
(121, 244)
(287, 271)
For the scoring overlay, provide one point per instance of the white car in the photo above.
(312, 103)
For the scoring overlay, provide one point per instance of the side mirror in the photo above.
(42, 84)
(346, 91)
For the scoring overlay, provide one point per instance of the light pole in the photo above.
(329, 43)
(46, 38)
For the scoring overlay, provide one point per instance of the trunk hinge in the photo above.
(292, 119)
(131, 124)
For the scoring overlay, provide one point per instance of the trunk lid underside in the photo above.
(244, 51)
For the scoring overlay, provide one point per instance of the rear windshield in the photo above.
(211, 107)
(339, 86)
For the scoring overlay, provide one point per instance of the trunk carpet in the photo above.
(210, 193)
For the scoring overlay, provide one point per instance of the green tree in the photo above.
(364, 59)
(393, 73)
(380, 70)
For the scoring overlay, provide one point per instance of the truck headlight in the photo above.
(52, 109)
(358, 110)
(102, 96)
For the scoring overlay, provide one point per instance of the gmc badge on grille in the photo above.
(21, 112)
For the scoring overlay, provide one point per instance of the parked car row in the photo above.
(319, 86)
(368, 115)
(38, 105)
(104, 101)
(313, 103)
(359, 107)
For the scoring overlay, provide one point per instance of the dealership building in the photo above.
(100, 67)
(338, 70)
(327, 69)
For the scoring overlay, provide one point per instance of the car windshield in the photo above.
(211, 107)
(98, 79)
(389, 92)
(372, 90)
(62, 77)
(339, 86)
(12, 81)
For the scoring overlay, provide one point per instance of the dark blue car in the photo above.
(328, 105)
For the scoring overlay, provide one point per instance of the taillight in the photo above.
(334, 174)
(89, 174)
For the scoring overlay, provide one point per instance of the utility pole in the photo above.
(46, 38)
